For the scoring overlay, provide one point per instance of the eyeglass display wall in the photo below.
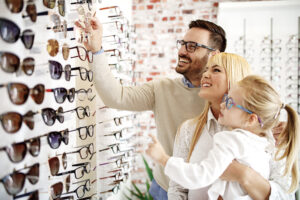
(58, 139)
(267, 35)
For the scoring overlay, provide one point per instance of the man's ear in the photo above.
(212, 53)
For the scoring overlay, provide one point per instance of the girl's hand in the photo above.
(95, 30)
(157, 152)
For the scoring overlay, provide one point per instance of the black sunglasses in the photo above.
(55, 138)
(56, 189)
(10, 63)
(60, 94)
(10, 32)
(17, 151)
(14, 182)
(49, 115)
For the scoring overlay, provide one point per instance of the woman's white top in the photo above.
(214, 163)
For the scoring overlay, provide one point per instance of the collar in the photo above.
(211, 119)
(187, 83)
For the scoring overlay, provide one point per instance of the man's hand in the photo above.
(157, 152)
(95, 31)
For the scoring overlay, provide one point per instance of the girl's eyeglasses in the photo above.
(229, 103)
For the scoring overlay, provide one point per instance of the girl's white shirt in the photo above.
(279, 184)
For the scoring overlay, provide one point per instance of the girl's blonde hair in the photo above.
(260, 97)
(236, 68)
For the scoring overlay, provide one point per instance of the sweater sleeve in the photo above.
(197, 175)
(181, 149)
(114, 95)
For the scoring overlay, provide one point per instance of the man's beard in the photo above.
(193, 68)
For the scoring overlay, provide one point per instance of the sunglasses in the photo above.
(83, 54)
(57, 188)
(84, 151)
(60, 94)
(49, 115)
(10, 33)
(14, 182)
(17, 151)
(54, 164)
(56, 70)
(10, 63)
(53, 49)
(32, 13)
(82, 168)
(55, 138)
(229, 103)
(18, 92)
(60, 3)
(34, 195)
(81, 112)
(12, 121)
(59, 26)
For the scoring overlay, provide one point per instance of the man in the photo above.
(172, 100)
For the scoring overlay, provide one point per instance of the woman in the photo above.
(194, 137)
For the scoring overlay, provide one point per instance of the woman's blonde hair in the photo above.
(260, 97)
(236, 68)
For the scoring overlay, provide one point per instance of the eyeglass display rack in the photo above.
(54, 37)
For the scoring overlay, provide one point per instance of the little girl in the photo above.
(250, 110)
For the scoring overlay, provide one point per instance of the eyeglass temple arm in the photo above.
(64, 173)
(80, 164)
(37, 14)
(24, 195)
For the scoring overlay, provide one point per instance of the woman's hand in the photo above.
(94, 28)
(157, 152)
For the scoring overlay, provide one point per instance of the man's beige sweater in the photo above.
(171, 101)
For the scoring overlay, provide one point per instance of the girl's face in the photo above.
(231, 115)
(213, 83)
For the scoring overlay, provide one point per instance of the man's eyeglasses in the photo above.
(229, 103)
(191, 46)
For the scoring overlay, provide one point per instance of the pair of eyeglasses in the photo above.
(83, 54)
(85, 131)
(84, 151)
(229, 103)
(114, 190)
(10, 63)
(57, 189)
(118, 134)
(119, 162)
(60, 4)
(18, 92)
(14, 182)
(82, 94)
(117, 176)
(81, 112)
(191, 46)
(91, 197)
(10, 33)
(82, 168)
(12, 121)
(16, 152)
(114, 147)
